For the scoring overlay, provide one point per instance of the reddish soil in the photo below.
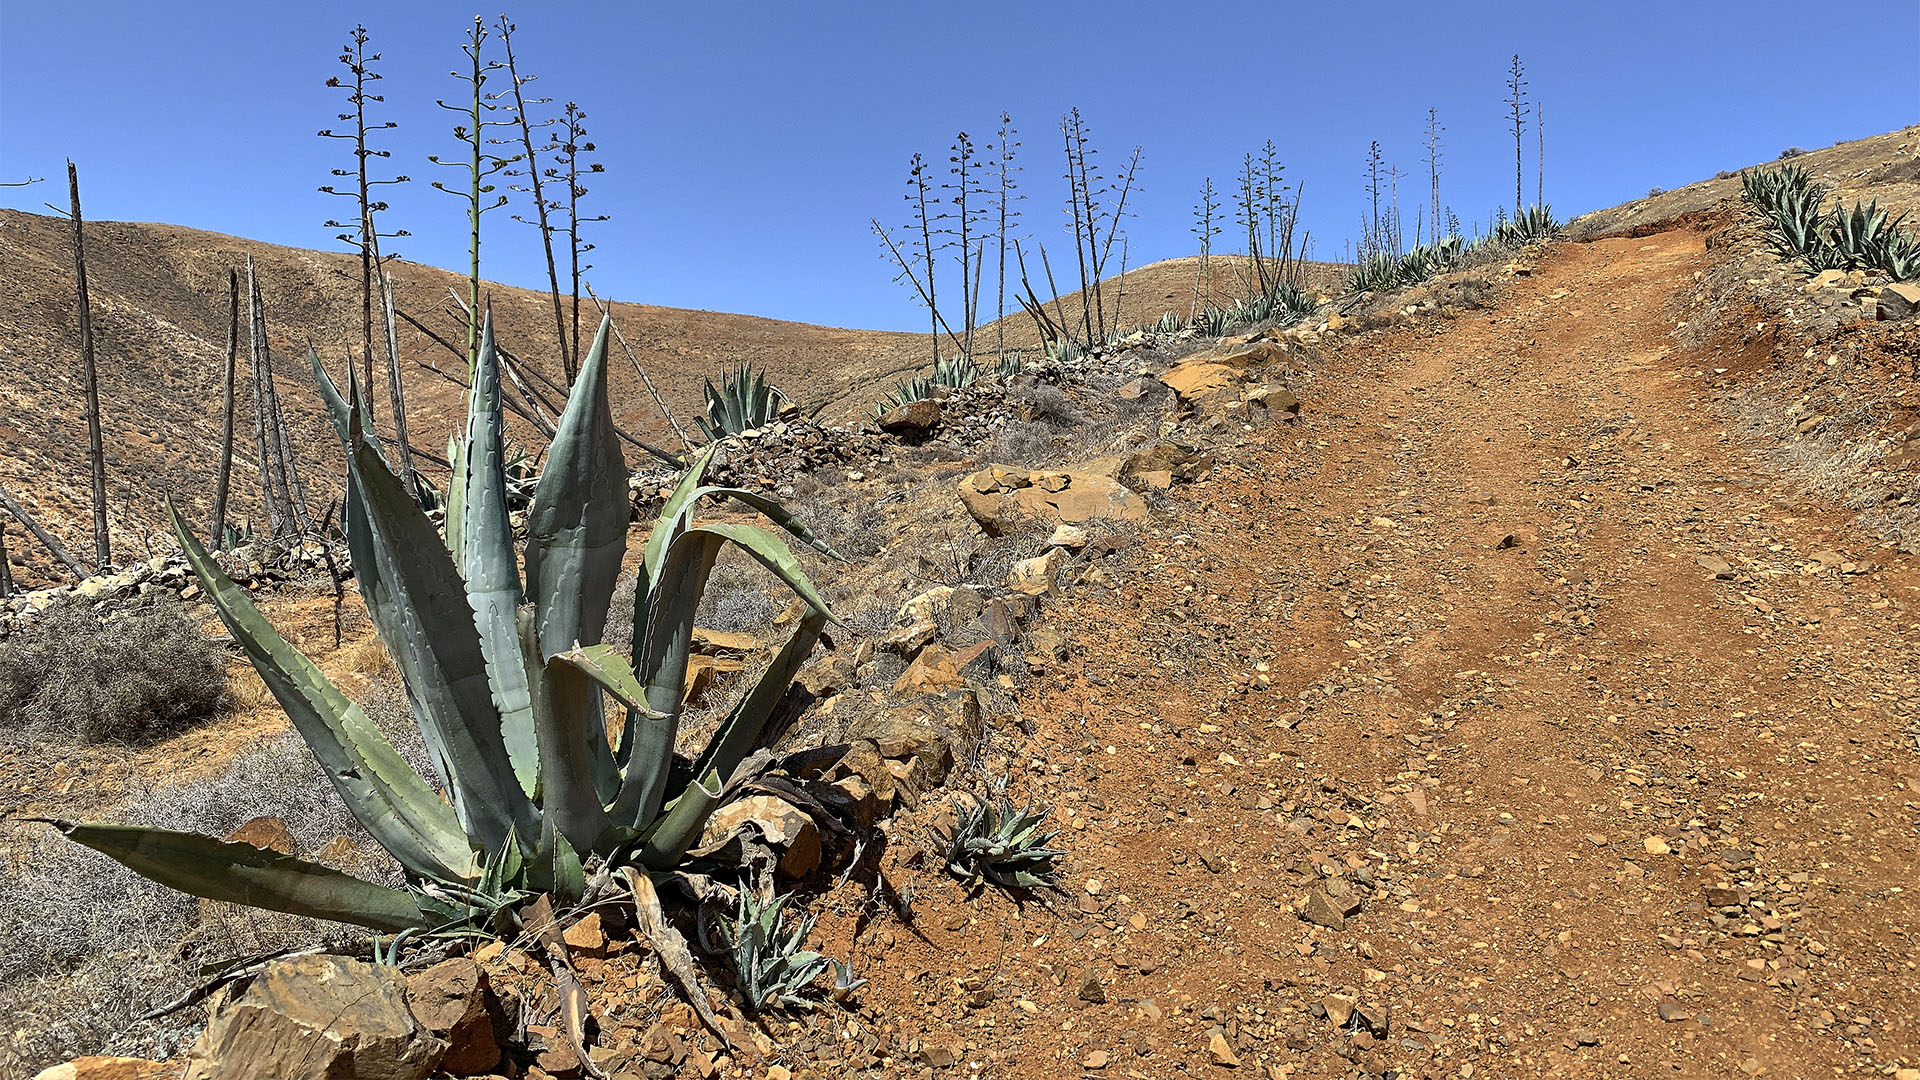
(1453, 636)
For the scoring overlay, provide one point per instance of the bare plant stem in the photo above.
(96, 454)
(652, 391)
(46, 538)
(568, 362)
(224, 479)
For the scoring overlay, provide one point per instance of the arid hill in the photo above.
(160, 298)
(160, 314)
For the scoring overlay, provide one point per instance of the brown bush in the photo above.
(110, 671)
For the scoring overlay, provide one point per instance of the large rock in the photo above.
(1198, 378)
(454, 1001)
(926, 737)
(1897, 301)
(1000, 498)
(913, 418)
(1247, 355)
(936, 670)
(317, 1018)
(787, 828)
(1038, 576)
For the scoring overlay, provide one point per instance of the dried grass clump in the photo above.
(111, 672)
(92, 945)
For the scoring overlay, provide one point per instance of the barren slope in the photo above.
(160, 316)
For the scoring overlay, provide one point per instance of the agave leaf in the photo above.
(566, 707)
(391, 801)
(555, 867)
(740, 733)
(661, 665)
(487, 562)
(455, 521)
(771, 552)
(661, 668)
(681, 824)
(652, 924)
(671, 522)
(238, 873)
(577, 528)
(418, 604)
(605, 665)
(771, 508)
(342, 414)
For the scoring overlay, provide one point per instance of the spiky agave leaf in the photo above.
(238, 873)
(661, 662)
(487, 563)
(391, 801)
(742, 401)
(417, 602)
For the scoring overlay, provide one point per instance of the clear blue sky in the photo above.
(747, 143)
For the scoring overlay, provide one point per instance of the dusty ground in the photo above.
(1514, 641)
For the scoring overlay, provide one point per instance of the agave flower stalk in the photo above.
(507, 677)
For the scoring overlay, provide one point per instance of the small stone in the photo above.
(1656, 846)
(1211, 860)
(453, 1000)
(1586, 1037)
(1090, 988)
(1340, 1008)
(1721, 569)
(1071, 537)
(1321, 911)
(1673, 1012)
(586, 936)
(1897, 301)
(1220, 1052)
(941, 1049)
(1096, 1060)
(109, 1068)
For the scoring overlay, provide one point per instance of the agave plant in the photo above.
(743, 401)
(994, 842)
(1168, 323)
(1065, 350)
(506, 678)
(1902, 257)
(957, 373)
(523, 477)
(905, 392)
(1537, 223)
(1010, 366)
(1377, 274)
(1212, 321)
(769, 954)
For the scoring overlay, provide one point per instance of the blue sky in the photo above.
(747, 144)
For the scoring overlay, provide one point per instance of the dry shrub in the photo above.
(92, 945)
(111, 672)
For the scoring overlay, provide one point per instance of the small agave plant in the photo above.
(1377, 274)
(506, 676)
(770, 955)
(957, 373)
(741, 402)
(994, 842)
(905, 392)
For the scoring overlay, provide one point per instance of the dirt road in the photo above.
(1515, 662)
